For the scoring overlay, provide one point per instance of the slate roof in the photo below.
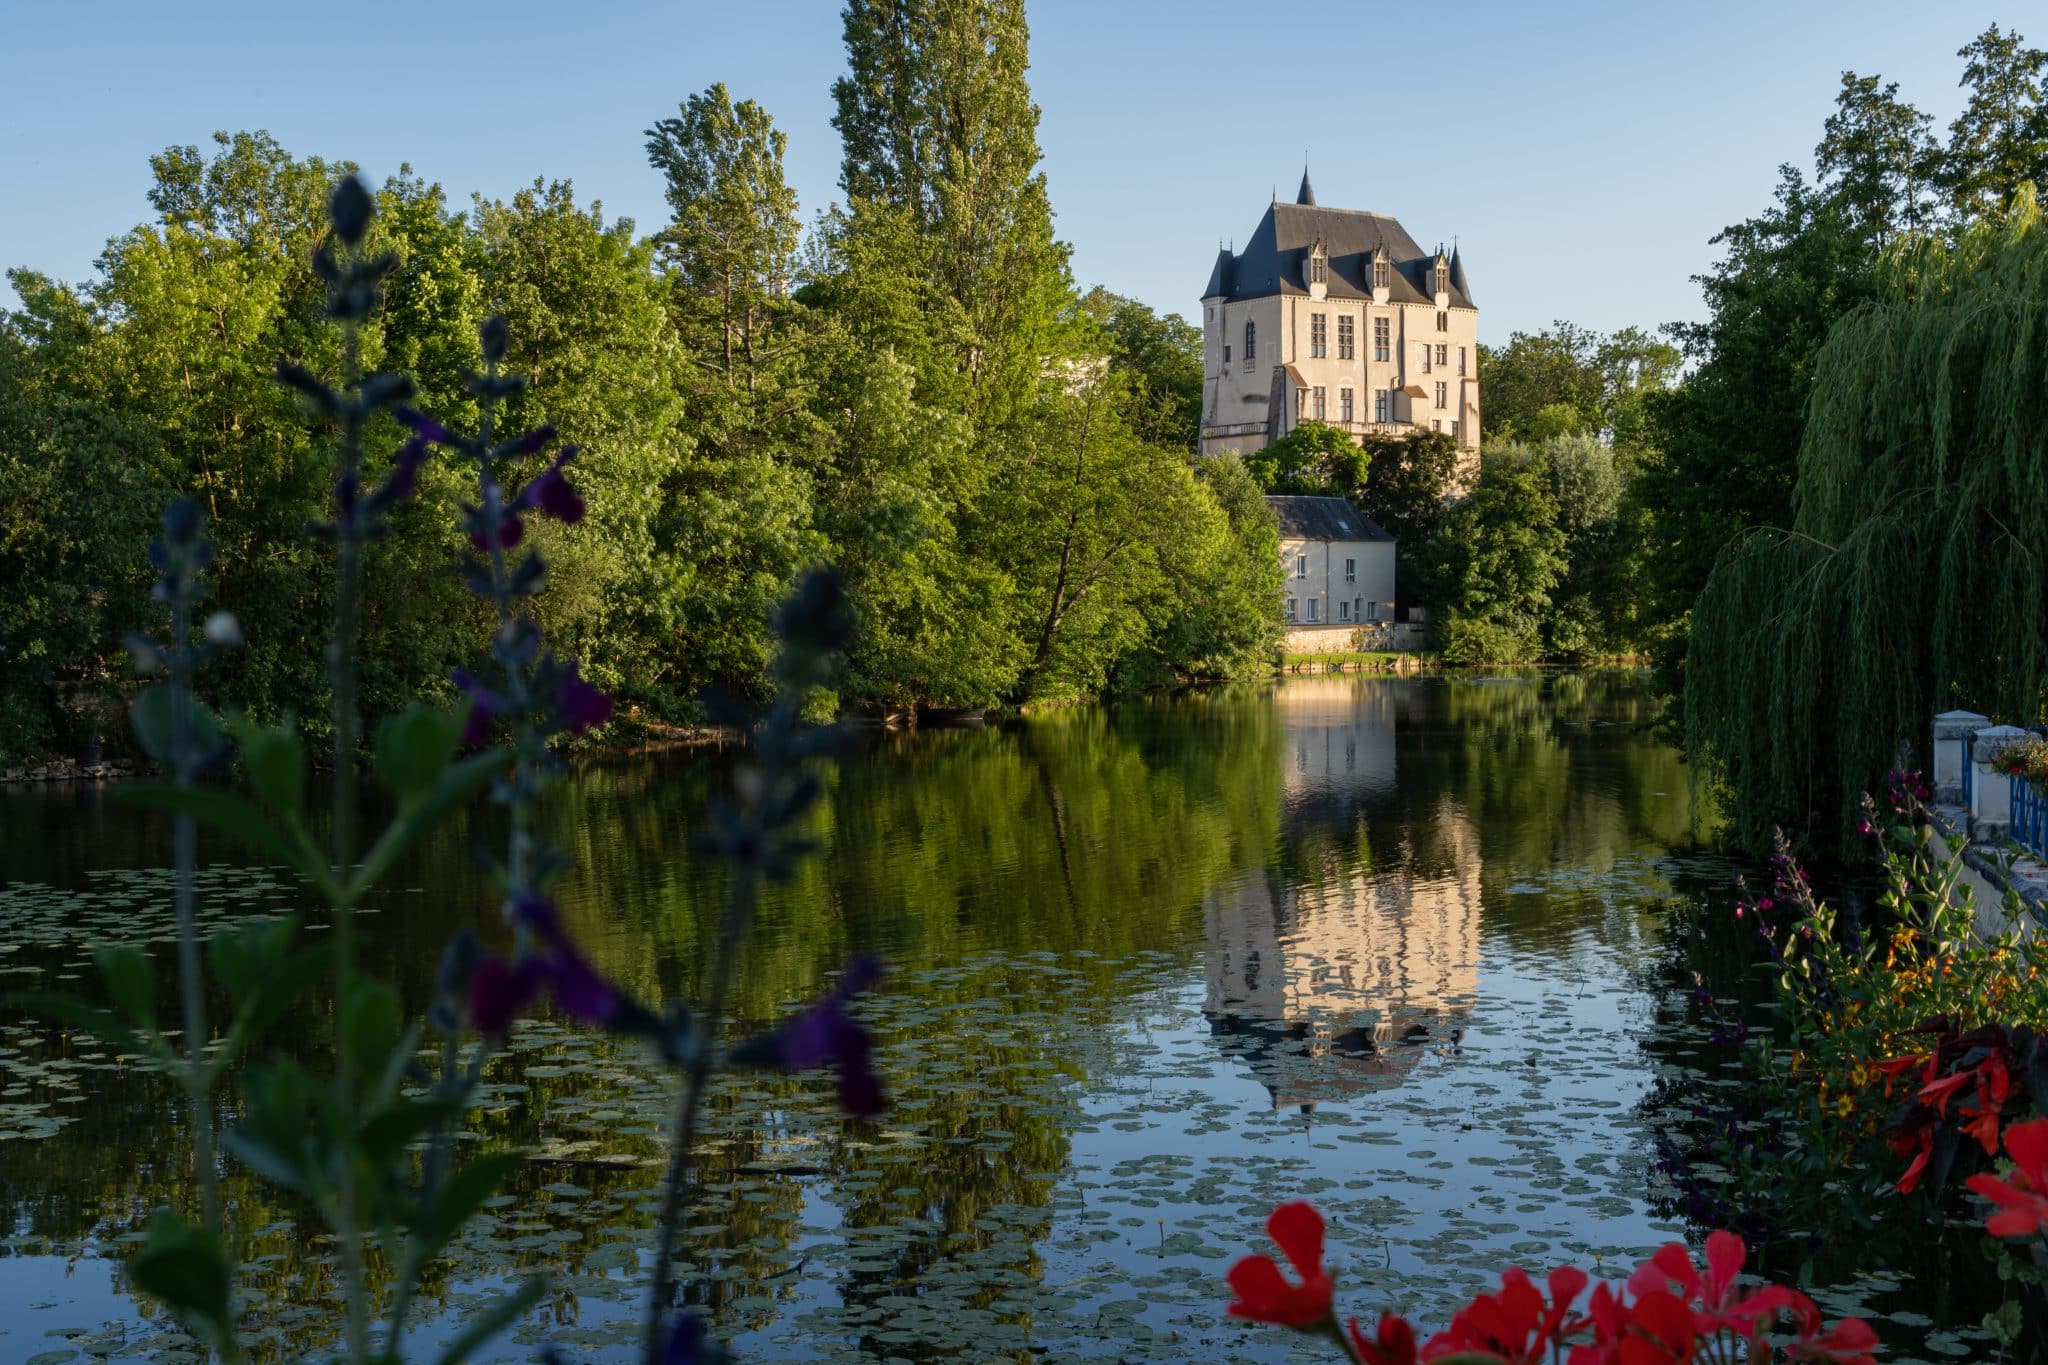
(1271, 262)
(1322, 519)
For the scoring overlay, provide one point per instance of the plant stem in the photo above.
(191, 982)
(341, 670)
(739, 912)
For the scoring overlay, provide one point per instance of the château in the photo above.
(1337, 316)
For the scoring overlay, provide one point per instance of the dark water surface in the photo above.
(1389, 944)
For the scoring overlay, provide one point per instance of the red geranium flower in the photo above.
(1662, 1331)
(1265, 1295)
(2023, 1200)
(1723, 1303)
(1849, 1342)
(1516, 1324)
(1394, 1346)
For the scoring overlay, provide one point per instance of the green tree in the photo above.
(1727, 439)
(1406, 495)
(1160, 355)
(1877, 154)
(1494, 561)
(1909, 580)
(1314, 458)
(1999, 141)
(942, 180)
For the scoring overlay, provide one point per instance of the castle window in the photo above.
(1346, 347)
(1344, 405)
(1425, 358)
(1301, 566)
(1318, 266)
(1382, 343)
(1226, 353)
(1379, 271)
(1319, 335)
(1251, 339)
(1290, 609)
(1300, 404)
(1350, 571)
(1436, 424)
(1443, 396)
(1442, 354)
(1382, 405)
(1343, 611)
(1322, 409)
(1443, 277)
(1461, 362)
(1443, 321)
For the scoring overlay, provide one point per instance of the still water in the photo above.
(1394, 945)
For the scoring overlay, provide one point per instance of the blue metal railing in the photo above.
(1969, 772)
(2029, 817)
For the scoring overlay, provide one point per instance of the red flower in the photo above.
(1394, 1346)
(1516, 1324)
(1849, 1342)
(1723, 1303)
(1264, 1294)
(1662, 1331)
(2023, 1200)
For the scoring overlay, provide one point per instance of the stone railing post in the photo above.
(1952, 731)
(1990, 791)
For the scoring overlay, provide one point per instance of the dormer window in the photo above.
(1379, 270)
(1443, 276)
(1318, 265)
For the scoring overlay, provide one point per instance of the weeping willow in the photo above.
(1911, 579)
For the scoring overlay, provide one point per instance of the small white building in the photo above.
(1339, 572)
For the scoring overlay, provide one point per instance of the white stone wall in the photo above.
(1338, 600)
(1236, 395)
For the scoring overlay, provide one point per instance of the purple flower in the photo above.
(826, 1035)
(498, 991)
(510, 532)
(483, 704)
(582, 705)
(405, 472)
(550, 492)
(425, 427)
(583, 994)
(686, 1340)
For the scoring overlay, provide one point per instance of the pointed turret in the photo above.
(1458, 275)
(1219, 278)
(1307, 193)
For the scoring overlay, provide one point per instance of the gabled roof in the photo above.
(1322, 519)
(1271, 261)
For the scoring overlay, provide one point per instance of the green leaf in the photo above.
(370, 1017)
(232, 815)
(458, 782)
(131, 981)
(153, 714)
(182, 1266)
(284, 1120)
(275, 758)
(500, 1315)
(413, 749)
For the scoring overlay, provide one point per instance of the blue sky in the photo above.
(1583, 154)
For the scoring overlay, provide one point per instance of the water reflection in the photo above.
(1133, 946)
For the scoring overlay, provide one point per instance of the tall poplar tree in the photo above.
(1877, 154)
(941, 173)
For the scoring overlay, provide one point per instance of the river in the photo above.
(1396, 945)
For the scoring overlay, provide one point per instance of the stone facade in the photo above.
(1336, 315)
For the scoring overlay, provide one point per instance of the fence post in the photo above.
(1990, 794)
(1951, 776)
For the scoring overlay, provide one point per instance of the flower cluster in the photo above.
(1670, 1311)
(2027, 759)
(1975, 1071)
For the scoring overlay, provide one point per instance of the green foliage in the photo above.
(1315, 459)
(1999, 142)
(1909, 580)
(1567, 380)
(1494, 561)
(1160, 357)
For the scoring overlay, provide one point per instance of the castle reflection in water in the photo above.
(1339, 969)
